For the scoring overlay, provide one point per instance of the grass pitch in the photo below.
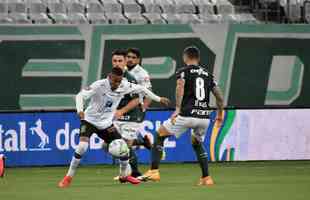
(284, 180)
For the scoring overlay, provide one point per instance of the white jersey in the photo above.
(104, 102)
(142, 76)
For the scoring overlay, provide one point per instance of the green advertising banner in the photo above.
(43, 67)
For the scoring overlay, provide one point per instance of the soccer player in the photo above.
(193, 88)
(104, 96)
(129, 115)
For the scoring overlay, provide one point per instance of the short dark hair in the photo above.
(119, 52)
(117, 71)
(135, 51)
(192, 52)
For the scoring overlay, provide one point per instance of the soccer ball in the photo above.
(118, 148)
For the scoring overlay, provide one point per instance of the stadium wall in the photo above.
(49, 138)
(42, 67)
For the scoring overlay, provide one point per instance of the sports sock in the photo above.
(202, 158)
(133, 161)
(124, 167)
(80, 150)
(157, 151)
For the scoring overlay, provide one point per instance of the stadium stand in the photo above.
(153, 11)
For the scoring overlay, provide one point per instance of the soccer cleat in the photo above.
(208, 181)
(152, 175)
(147, 142)
(65, 182)
(129, 179)
(116, 178)
(2, 165)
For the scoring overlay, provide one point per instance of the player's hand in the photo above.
(81, 115)
(174, 116)
(164, 101)
(118, 114)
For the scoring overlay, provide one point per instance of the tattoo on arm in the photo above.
(219, 98)
(179, 92)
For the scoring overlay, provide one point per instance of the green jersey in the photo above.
(136, 114)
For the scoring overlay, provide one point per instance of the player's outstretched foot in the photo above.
(147, 142)
(2, 165)
(208, 181)
(152, 175)
(65, 182)
(129, 179)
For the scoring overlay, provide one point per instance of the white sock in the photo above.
(75, 162)
(73, 166)
(124, 168)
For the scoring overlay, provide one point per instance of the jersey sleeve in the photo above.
(139, 89)
(86, 93)
(145, 81)
(180, 74)
(212, 83)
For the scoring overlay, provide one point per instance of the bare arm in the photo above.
(179, 92)
(131, 105)
(219, 101)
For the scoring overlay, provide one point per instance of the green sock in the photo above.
(157, 151)
(133, 161)
(202, 158)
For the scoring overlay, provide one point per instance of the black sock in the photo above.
(157, 151)
(202, 158)
(138, 142)
(133, 161)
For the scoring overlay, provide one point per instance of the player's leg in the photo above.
(108, 135)
(169, 127)
(129, 132)
(201, 154)
(86, 131)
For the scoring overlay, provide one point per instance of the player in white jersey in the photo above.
(104, 96)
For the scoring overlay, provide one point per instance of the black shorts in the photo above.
(108, 135)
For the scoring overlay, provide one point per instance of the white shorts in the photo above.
(128, 130)
(182, 124)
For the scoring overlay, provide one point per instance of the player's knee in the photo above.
(81, 149)
(195, 141)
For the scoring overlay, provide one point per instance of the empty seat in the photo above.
(95, 13)
(4, 13)
(167, 6)
(172, 18)
(136, 18)
(185, 6)
(130, 6)
(224, 7)
(155, 18)
(189, 19)
(37, 12)
(18, 12)
(117, 18)
(246, 18)
(76, 13)
(112, 6)
(150, 6)
(307, 12)
(210, 19)
(295, 11)
(204, 7)
(58, 12)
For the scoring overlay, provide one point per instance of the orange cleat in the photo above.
(152, 174)
(65, 182)
(208, 181)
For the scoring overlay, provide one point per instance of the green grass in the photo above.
(241, 181)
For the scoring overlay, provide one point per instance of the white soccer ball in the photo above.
(118, 148)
